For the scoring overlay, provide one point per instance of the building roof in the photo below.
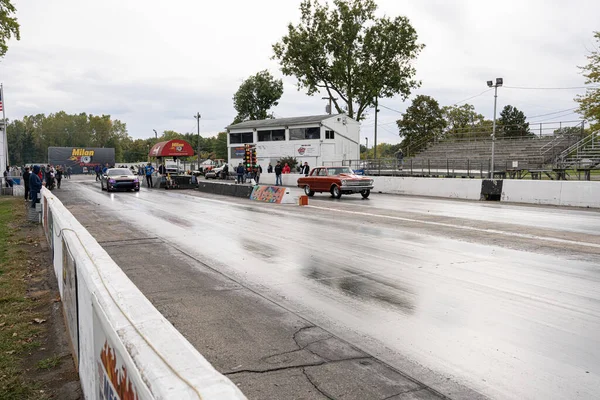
(270, 123)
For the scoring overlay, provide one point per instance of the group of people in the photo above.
(243, 175)
(50, 176)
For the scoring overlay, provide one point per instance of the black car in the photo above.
(119, 179)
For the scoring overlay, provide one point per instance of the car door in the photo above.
(313, 180)
(321, 179)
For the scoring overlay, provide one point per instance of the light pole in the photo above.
(376, 112)
(499, 83)
(198, 116)
(155, 134)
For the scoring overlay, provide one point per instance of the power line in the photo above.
(551, 88)
(391, 109)
(552, 113)
(472, 97)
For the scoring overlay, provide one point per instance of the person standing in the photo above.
(59, 176)
(35, 185)
(286, 168)
(240, 173)
(26, 175)
(278, 171)
(225, 172)
(149, 171)
(305, 169)
(162, 170)
(69, 171)
(7, 181)
(270, 169)
(257, 173)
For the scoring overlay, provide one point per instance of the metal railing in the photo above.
(574, 151)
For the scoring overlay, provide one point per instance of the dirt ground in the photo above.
(38, 363)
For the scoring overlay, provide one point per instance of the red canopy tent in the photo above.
(172, 148)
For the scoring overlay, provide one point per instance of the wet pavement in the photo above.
(465, 299)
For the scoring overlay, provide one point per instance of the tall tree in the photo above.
(512, 122)
(589, 103)
(256, 96)
(422, 122)
(349, 53)
(461, 121)
(9, 27)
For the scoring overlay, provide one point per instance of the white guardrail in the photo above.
(123, 347)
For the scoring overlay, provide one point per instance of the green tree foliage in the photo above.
(384, 150)
(422, 122)
(349, 53)
(463, 121)
(29, 138)
(512, 123)
(256, 96)
(9, 27)
(589, 103)
(291, 161)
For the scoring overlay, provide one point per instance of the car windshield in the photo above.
(118, 171)
(338, 171)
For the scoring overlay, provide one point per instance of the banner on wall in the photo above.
(268, 194)
(78, 158)
(117, 377)
(306, 150)
(69, 300)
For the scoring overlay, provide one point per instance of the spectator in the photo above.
(105, 169)
(287, 169)
(240, 173)
(257, 173)
(59, 176)
(305, 169)
(278, 171)
(162, 169)
(35, 185)
(7, 181)
(26, 175)
(97, 170)
(225, 171)
(270, 169)
(149, 169)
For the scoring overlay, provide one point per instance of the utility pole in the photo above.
(499, 82)
(366, 148)
(376, 112)
(155, 134)
(198, 116)
(329, 110)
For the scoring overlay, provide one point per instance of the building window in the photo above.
(329, 135)
(269, 136)
(244, 137)
(305, 133)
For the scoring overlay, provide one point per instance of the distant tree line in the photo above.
(30, 137)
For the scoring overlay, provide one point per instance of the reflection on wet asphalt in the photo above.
(507, 322)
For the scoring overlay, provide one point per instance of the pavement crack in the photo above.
(324, 393)
(264, 371)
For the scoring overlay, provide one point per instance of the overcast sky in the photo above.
(154, 64)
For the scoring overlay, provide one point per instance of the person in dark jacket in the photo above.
(270, 169)
(257, 172)
(26, 175)
(59, 176)
(35, 185)
(225, 172)
(278, 171)
(305, 169)
(240, 173)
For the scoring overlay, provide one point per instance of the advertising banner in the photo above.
(69, 300)
(80, 159)
(306, 150)
(268, 194)
(237, 152)
(117, 377)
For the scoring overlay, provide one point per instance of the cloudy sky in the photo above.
(154, 64)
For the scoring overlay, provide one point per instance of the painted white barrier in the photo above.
(120, 342)
(559, 193)
(453, 188)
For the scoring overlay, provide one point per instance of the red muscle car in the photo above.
(335, 180)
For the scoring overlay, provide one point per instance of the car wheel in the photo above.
(365, 193)
(137, 190)
(308, 192)
(205, 177)
(336, 192)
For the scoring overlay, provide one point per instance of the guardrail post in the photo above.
(447, 168)
(429, 166)
(411, 167)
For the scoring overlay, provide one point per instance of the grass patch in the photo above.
(17, 333)
(49, 363)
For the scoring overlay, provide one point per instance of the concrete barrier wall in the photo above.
(120, 342)
(559, 193)
(436, 187)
